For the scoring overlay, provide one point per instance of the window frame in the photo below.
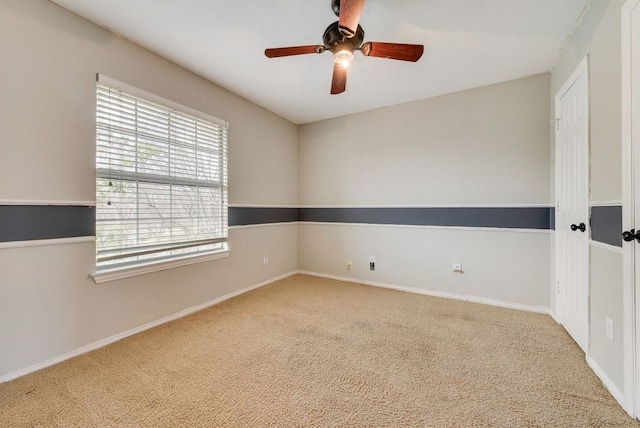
(107, 273)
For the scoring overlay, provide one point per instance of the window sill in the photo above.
(107, 275)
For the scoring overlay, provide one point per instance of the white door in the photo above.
(631, 201)
(572, 209)
(635, 134)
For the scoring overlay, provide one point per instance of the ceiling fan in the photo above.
(345, 36)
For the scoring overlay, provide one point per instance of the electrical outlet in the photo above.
(349, 265)
(372, 263)
(609, 328)
(266, 260)
(457, 267)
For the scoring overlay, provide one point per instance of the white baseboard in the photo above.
(474, 299)
(608, 383)
(123, 335)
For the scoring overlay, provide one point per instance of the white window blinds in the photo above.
(161, 181)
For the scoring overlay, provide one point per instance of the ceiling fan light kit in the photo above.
(343, 38)
(344, 56)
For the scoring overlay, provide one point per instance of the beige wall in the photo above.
(499, 266)
(453, 149)
(598, 36)
(486, 146)
(48, 304)
(50, 61)
(606, 274)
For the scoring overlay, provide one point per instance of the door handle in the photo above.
(582, 227)
(630, 235)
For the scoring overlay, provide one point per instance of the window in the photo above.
(161, 179)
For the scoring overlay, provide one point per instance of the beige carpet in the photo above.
(313, 352)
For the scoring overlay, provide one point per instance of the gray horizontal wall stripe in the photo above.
(352, 215)
(498, 217)
(245, 216)
(37, 222)
(606, 224)
(507, 218)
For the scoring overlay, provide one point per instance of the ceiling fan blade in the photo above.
(350, 11)
(339, 82)
(399, 51)
(293, 50)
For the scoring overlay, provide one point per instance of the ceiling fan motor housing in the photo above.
(333, 37)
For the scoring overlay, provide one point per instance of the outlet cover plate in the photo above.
(609, 328)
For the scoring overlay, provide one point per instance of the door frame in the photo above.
(630, 172)
(580, 70)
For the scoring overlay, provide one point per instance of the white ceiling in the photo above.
(468, 43)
